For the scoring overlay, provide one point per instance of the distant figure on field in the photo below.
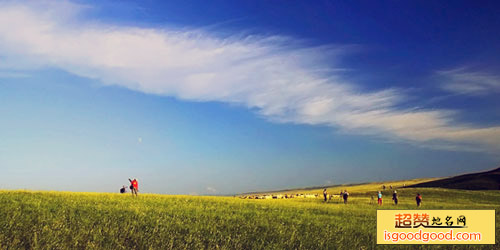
(379, 200)
(390, 186)
(134, 186)
(345, 195)
(123, 190)
(395, 197)
(383, 187)
(325, 194)
(418, 199)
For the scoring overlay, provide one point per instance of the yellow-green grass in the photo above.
(65, 220)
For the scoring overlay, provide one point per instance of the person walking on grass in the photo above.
(134, 186)
(345, 195)
(379, 195)
(395, 197)
(325, 194)
(418, 199)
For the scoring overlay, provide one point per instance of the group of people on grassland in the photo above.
(134, 187)
(345, 195)
(395, 198)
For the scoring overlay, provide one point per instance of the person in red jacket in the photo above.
(134, 186)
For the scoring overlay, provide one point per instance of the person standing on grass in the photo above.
(134, 186)
(325, 194)
(418, 199)
(395, 197)
(345, 195)
(379, 195)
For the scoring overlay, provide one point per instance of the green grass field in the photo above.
(63, 220)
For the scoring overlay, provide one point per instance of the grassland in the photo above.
(64, 220)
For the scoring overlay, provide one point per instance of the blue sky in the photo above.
(220, 97)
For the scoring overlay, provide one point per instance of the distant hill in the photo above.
(352, 188)
(489, 180)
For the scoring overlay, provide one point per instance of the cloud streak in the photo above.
(467, 82)
(274, 76)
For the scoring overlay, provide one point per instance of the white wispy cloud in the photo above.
(469, 82)
(275, 76)
(211, 190)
